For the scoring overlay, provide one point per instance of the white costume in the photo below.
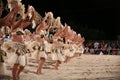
(71, 50)
(38, 50)
(34, 48)
(47, 46)
(19, 56)
(42, 52)
(57, 53)
(66, 50)
(81, 49)
(9, 48)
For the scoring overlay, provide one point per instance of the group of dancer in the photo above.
(49, 37)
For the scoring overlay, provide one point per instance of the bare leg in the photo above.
(80, 54)
(19, 71)
(76, 54)
(14, 70)
(67, 59)
(57, 64)
(40, 65)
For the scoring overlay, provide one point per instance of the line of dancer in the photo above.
(50, 37)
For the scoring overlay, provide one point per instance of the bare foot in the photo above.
(39, 73)
(56, 68)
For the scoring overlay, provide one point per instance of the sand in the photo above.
(86, 67)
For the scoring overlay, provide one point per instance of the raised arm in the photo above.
(10, 18)
(25, 23)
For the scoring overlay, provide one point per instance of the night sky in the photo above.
(83, 16)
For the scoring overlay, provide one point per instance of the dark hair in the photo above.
(51, 41)
(60, 40)
(19, 33)
(42, 36)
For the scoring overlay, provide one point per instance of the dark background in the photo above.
(94, 19)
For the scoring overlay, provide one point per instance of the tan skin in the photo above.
(58, 62)
(68, 37)
(17, 69)
(40, 65)
(10, 18)
(68, 58)
(59, 32)
(79, 42)
(62, 32)
(74, 38)
(40, 27)
(42, 59)
(22, 23)
(44, 24)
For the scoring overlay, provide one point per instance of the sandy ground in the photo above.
(86, 67)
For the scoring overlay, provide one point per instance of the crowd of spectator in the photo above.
(102, 47)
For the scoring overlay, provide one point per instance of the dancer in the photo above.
(23, 22)
(57, 54)
(19, 58)
(10, 18)
(42, 54)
